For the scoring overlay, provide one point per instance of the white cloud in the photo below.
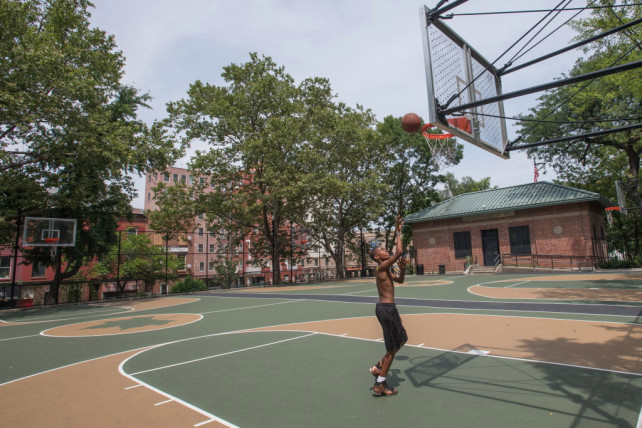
(369, 50)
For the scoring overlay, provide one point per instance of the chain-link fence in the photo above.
(144, 263)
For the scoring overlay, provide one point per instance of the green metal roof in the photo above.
(532, 195)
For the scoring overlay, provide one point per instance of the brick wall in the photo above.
(558, 230)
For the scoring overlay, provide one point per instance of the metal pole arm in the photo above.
(511, 147)
(570, 47)
(544, 87)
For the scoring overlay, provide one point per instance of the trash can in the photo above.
(419, 269)
(442, 269)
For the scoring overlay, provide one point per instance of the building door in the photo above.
(490, 246)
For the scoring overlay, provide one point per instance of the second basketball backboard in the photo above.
(49, 232)
(456, 74)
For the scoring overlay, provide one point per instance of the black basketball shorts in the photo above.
(394, 334)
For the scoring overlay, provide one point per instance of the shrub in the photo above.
(620, 264)
(188, 285)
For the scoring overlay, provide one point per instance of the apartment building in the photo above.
(208, 254)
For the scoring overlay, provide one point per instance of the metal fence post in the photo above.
(118, 265)
(16, 247)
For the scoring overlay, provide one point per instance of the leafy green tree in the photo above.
(466, 184)
(68, 125)
(347, 185)
(257, 127)
(136, 258)
(595, 163)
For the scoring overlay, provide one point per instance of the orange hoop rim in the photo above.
(51, 240)
(424, 130)
(612, 208)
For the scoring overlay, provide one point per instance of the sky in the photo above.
(370, 50)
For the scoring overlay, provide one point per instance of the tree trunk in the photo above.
(339, 257)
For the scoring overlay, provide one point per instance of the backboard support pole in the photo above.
(545, 86)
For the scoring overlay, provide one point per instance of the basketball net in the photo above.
(442, 148)
(53, 248)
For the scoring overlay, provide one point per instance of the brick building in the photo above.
(528, 225)
(200, 248)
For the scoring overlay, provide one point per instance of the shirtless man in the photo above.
(394, 334)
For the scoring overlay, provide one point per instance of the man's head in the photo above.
(379, 254)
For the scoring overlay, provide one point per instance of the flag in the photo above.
(535, 171)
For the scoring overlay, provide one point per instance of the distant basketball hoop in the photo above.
(609, 214)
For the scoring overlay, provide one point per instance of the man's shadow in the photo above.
(426, 369)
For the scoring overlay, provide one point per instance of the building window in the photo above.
(201, 266)
(166, 177)
(191, 179)
(211, 248)
(175, 178)
(5, 267)
(463, 248)
(200, 231)
(183, 179)
(38, 270)
(520, 240)
(201, 216)
(200, 248)
(132, 231)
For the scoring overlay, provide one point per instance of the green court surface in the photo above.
(256, 361)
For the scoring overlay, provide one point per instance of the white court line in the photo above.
(501, 357)
(163, 402)
(223, 354)
(519, 283)
(372, 290)
(204, 422)
(20, 337)
(250, 307)
(132, 387)
(639, 425)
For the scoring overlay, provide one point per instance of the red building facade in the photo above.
(539, 223)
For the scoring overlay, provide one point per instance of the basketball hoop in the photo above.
(52, 242)
(443, 151)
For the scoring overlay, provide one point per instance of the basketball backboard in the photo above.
(457, 74)
(49, 232)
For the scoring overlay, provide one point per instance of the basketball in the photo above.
(411, 123)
